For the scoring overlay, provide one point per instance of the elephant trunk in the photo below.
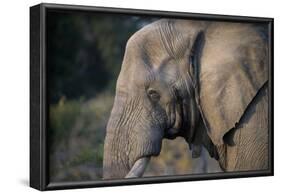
(120, 157)
(123, 150)
(117, 163)
(132, 137)
(115, 160)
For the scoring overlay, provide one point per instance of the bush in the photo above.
(76, 131)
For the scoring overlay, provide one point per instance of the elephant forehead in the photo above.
(146, 52)
(158, 48)
(165, 71)
(159, 42)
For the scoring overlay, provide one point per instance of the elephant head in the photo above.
(177, 79)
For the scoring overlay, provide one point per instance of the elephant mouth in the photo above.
(138, 168)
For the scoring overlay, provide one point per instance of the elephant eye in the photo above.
(154, 95)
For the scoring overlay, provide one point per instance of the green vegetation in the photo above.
(76, 131)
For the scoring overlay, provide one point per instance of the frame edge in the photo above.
(174, 14)
(37, 164)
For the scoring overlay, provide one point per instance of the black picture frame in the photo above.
(38, 101)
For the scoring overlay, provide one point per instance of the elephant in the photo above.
(204, 81)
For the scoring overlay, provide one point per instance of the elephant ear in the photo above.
(232, 68)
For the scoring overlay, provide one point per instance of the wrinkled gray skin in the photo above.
(203, 81)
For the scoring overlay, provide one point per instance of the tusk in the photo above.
(138, 169)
